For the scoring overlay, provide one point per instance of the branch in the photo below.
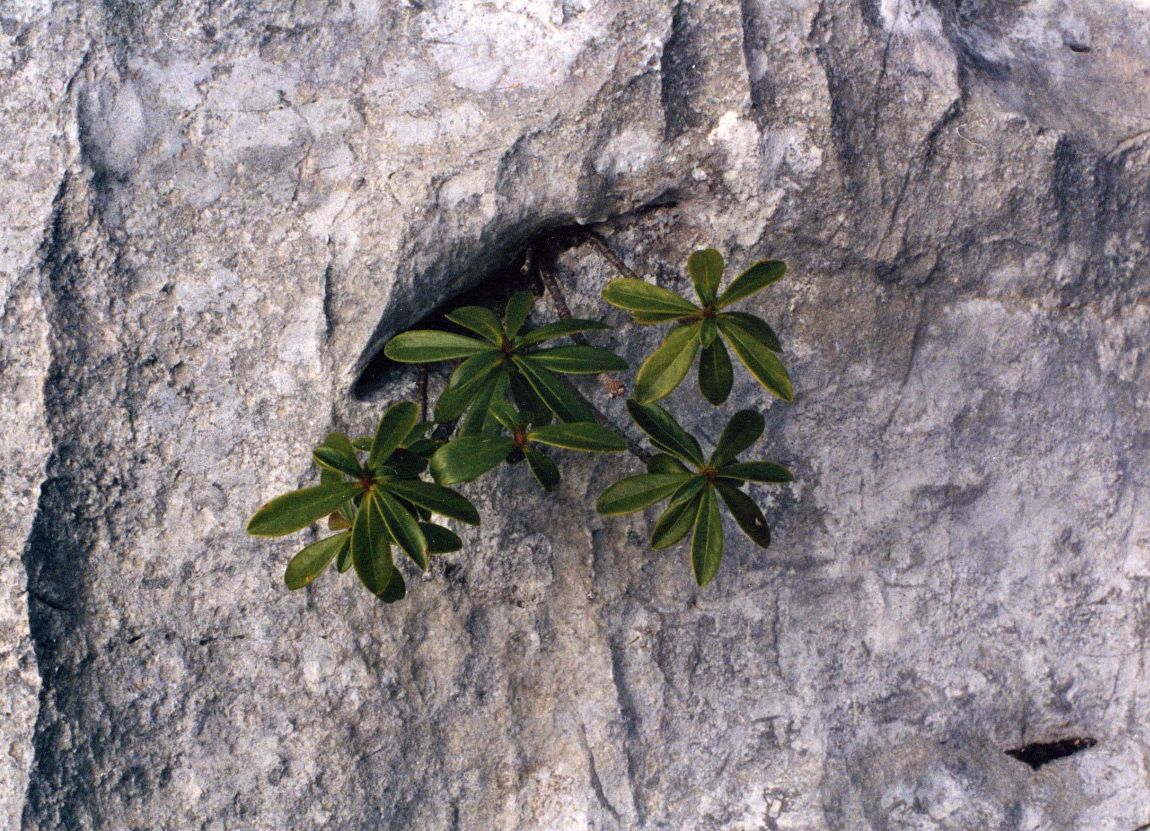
(600, 245)
(422, 392)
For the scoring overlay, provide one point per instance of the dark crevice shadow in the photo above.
(1038, 754)
(497, 272)
(82, 472)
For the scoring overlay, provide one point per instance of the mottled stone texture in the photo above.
(209, 212)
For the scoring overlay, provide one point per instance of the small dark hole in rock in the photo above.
(453, 573)
(1040, 753)
(1080, 48)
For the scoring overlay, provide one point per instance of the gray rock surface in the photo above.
(210, 212)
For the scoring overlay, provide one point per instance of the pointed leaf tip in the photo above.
(754, 279)
(706, 269)
(299, 509)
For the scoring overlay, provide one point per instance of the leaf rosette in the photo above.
(695, 485)
(514, 439)
(505, 359)
(372, 495)
(705, 329)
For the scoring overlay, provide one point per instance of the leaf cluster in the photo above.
(705, 329)
(505, 359)
(695, 485)
(371, 492)
(507, 401)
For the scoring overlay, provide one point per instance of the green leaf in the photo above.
(515, 315)
(361, 443)
(746, 513)
(393, 427)
(438, 499)
(476, 418)
(476, 370)
(706, 269)
(588, 437)
(650, 318)
(425, 447)
(754, 279)
(665, 463)
(416, 433)
(479, 320)
(299, 509)
(332, 459)
(424, 346)
(403, 528)
(440, 540)
(491, 426)
(371, 548)
(558, 329)
(707, 541)
(407, 464)
(468, 380)
(340, 442)
(665, 433)
(716, 375)
(741, 432)
(559, 398)
(666, 367)
(708, 330)
(758, 358)
(647, 298)
(756, 327)
(674, 523)
(309, 563)
(343, 560)
(579, 360)
(505, 414)
(637, 492)
(528, 401)
(395, 589)
(756, 472)
(543, 467)
(469, 457)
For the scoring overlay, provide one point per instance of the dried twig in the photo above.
(600, 245)
(422, 393)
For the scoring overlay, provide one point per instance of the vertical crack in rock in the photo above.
(84, 479)
(633, 739)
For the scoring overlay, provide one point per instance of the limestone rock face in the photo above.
(211, 214)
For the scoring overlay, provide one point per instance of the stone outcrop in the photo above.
(213, 214)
